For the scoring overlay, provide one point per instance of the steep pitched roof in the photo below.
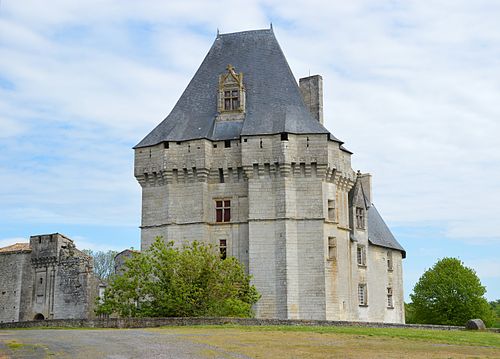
(378, 232)
(273, 100)
(17, 247)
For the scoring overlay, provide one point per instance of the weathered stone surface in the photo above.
(289, 193)
(475, 324)
(46, 279)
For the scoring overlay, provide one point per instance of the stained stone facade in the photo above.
(47, 278)
(243, 161)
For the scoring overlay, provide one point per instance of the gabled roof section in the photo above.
(273, 100)
(378, 232)
(17, 247)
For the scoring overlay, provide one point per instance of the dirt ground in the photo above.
(189, 342)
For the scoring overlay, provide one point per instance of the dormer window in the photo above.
(231, 91)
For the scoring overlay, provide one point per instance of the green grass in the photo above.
(460, 337)
(14, 345)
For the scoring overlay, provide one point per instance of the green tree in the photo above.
(104, 262)
(450, 293)
(495, 306)
(165, 281)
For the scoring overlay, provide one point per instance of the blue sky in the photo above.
(412, 88)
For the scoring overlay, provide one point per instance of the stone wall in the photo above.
(158, 322)
(14, 269)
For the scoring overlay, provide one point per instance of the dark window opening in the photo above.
(261, 143)
(215, 145)
(41, 280)
(307, 141)
(360, 218)
(284, 136)
(39, 240)
(231, 100)
(221, 175)
(166, 145)
(245, 140)
(223, 211)
(227, 144)
(223, 248)
(178, 142)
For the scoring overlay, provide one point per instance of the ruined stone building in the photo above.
(47, 278)
(243, 161)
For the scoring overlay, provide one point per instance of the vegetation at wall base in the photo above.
(449, 294)
(191, 281)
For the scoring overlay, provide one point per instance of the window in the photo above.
(389, 260)
(231, 100)
(360, 218)
(332, 215)
(390, 303)
(223, 248)
(223, 211)
(227, 143)
(362, 295)
(284, 136)
(361, 255)
(41, 280)
(332, 248)
(221, 175)
(231, 91)
(166, 145)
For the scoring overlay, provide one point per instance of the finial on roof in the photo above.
(271, 25)
(217, 32)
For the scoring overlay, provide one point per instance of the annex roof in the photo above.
(17, 247)
(273, 100)
(378, 232)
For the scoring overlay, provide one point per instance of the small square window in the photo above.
(227, 143)
(284, 136)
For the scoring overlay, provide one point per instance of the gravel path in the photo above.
(112, 344)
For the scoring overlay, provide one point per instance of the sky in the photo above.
(411, 87)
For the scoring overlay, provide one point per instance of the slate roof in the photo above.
(17, 247)
(273, 100)
(378, 232)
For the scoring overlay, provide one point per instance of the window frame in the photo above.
(361, 255)
(390, 261)
(222, 210)
(332, 248)
(362, 295)
(360, 218)
(390, 298)
(223, 248)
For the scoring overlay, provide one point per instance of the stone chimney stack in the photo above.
(366, 182)
(311, 89)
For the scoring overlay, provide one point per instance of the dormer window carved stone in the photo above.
(231, 91)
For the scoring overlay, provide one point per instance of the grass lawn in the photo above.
(345, 342)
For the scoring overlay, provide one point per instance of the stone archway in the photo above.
(39, 316)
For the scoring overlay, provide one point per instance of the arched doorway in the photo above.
(39, 316)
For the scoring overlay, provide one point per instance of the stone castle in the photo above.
(243, 161)
(47, 278)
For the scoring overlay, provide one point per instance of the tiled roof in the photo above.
(273, 100)
(18, 247)
(378, 232)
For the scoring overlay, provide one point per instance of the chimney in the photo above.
(366, 183)
(311, 89)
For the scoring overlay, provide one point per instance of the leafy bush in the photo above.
(165, 281)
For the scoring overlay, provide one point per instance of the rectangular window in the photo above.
(227, 143)
(332, 248)
(360, 218)
(361, 255)
(362, 295)
(390, 303)
(221, 175)
(223, 211)
(332, 213)
(389, 260)
(231, 100)
(284, 136)
(223, 248)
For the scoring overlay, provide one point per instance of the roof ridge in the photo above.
(244, 32)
